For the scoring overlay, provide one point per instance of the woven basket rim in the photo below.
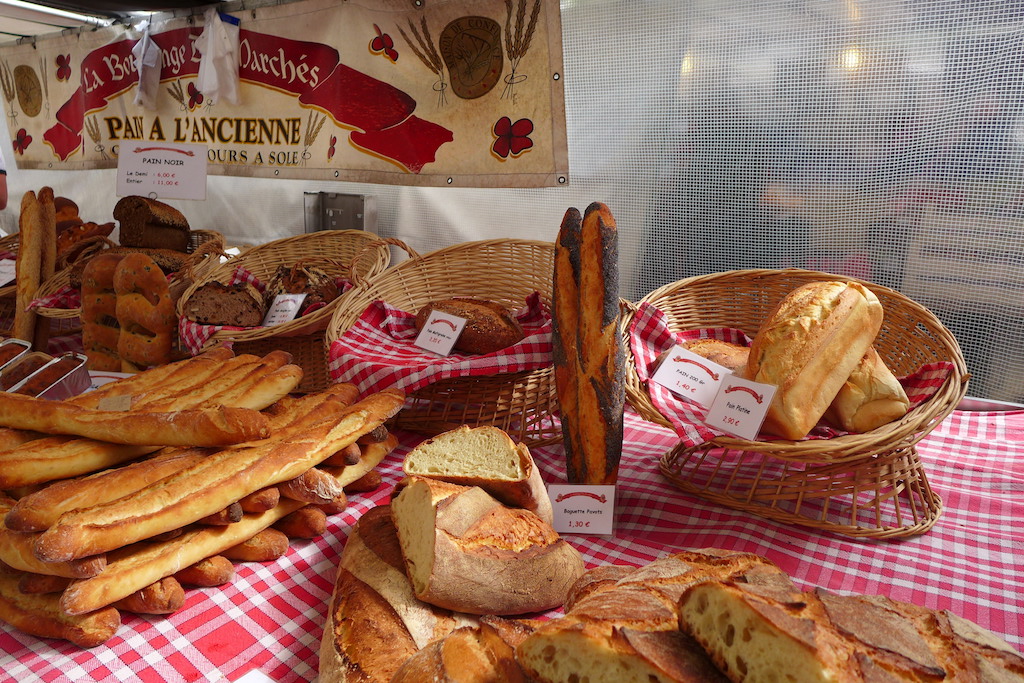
(310, 324)
(406, 272)
(910, 429)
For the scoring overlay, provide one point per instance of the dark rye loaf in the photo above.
(214, 303)
(145, 222)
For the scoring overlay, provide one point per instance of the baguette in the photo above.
(374, 622)
(467, 552)
(808, 346)
(229, 515)
(41, 615)
(264, 546)
(16, 551)
(307, 522)
(218, 426)
(260, 501)
(138, 565)
(216, 570)
(313, 486)
(587, 348)
(57, 457)
(213, 483)
(371, 481)
(869, 398)
(486, 457)
(161, 597)
(34, 264)
(42, 583)
(39, 511)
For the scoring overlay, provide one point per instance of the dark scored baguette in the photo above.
(588, 353)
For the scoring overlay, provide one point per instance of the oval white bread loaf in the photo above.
(808, 346)
(869, 398)
(465, 551)
(486, 457)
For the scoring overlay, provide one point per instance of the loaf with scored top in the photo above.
(807, 347)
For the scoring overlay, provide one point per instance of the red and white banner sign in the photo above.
(453, 92)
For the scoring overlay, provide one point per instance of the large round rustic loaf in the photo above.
(465, 551)
(487, 457)
(489, 326)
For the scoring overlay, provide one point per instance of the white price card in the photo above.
(164, 170)
(283, 308)
(690, 376)
(583, 508)
(440, 332)
(8, 271)
(740, 406)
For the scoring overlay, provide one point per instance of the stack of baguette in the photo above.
(713, 616)
(446, 558)
(119, 498)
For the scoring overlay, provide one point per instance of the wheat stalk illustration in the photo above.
(7, 84)
(92, 127)
(314, 122)
(178, 94)
(518, 38)
(44, 77)
(424, 49)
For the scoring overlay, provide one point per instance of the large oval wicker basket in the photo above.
(866, 485)
(506, 271)
(331, 250)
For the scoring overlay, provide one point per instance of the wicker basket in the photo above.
(865, 485)
(332, 250)
(506, 271)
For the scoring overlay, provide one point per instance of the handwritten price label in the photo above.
(690, 376)
(740, 406)
(166, 170)
(583, 509)
(440, 333)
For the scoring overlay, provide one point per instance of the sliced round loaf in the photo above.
(487, 457)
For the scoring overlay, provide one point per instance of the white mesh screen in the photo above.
(881, 139)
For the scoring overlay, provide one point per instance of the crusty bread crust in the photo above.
(870, 397)
(489, 326)
(808, 346)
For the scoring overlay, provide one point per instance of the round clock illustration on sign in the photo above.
(471, 49)
(30, 91)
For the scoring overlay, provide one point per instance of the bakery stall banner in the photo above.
(438, 92)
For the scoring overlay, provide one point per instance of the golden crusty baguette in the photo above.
(138, 565)
(41, 615)
(370, 481)
(57, 457)
(260, 501)
(226, 385)
(312, 486)
(42, 583)
(34, 263)
(307, 522)
(160, 597)
(40, 510)
(218, 480)
(133, 567)
(371, 455)
(208, 572)
(349, 455)
(587, 349)
(161, 380)
(808, 346)
(232, 513)
(218, 426)
(264, 546)
(16, 551)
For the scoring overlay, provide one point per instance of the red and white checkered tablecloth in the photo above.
(271, 616)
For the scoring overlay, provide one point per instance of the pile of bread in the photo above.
(119, 498)
(241, 304)
(442, 585)
(816, 348)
